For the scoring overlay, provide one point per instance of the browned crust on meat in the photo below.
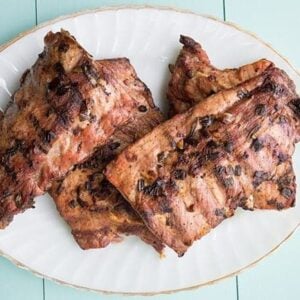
(191, 172)
(194, 78)
(65, 107)
(95, 211)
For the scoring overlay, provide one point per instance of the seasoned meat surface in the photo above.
(194, 78)
(65, 107)
(191, 172)
(96, 212)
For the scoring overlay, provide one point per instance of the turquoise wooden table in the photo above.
(277, 22)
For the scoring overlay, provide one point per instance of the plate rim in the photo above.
(159, 8)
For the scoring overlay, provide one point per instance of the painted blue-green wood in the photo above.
(18, 284)
(15, 16)
(225, 290)
(53, 8)
(276, 277)
(276, 21)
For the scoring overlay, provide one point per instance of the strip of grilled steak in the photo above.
(96, 212)
(191, 172)
(65, 107)
(194, 78)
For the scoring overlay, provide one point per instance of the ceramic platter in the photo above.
(40, 241)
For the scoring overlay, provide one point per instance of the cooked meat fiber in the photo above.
(96, 212)
(191, 172)
(194, 78)
(65, 107)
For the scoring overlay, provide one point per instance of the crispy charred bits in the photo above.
(219, 170)
(222, 173)
(179, 174)
(260, 109)
(295, 106)
(259, 177)
(206, 121)
(199, 130)
(156, 188)
(282, 157)
(237, 170)
(242, 94)
(257, 145)
(199, 160)
(103, 155)
(274, 203)
(63, 47)
(90, 72)
(228, 146)
(142, 108)
(54, 84)
(253, 131)
(269, 86)
(73, 203)
(47, 136)
(220, 212)
(284, 185)
(140, 185)
(286, 192)
(58, 67)
(161, 157)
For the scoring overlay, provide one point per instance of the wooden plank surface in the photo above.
(18, 284)
(276, 22)
(276, 277)
(16, 16)
(54, 8)
(225, 290)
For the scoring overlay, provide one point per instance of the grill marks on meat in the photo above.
(96, 212)
(223, 169)
(65, 107)
(194, 78)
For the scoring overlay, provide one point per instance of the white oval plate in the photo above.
(40, 240)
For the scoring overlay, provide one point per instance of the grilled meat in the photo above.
(65, 107)
(194, 78)
(191, 172)
(96, 212)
